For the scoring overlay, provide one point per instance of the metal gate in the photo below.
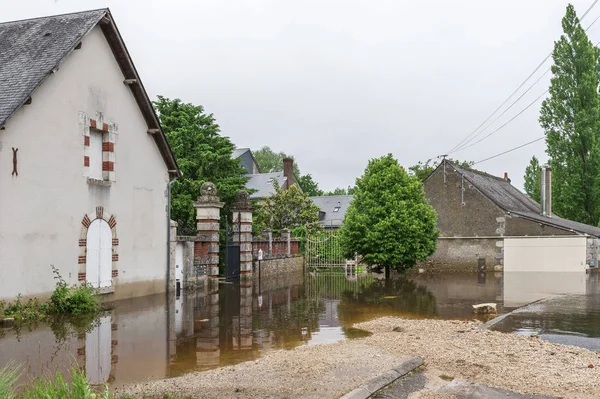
(323, 250)
(232, 251)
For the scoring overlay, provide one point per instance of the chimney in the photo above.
(288, 172)
(506, 177)
(546, 190)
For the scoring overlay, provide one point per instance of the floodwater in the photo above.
(158, 336)
(570, 319)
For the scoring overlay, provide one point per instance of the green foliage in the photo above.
(533, 179)
(287, 209)
(341, 191)
(9, 375)
(64, 300)
(271, 161)
(423, 170)
(570, 117)
(309, 186)
(389, 222)
(203, 155)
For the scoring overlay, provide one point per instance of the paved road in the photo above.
(403, 387)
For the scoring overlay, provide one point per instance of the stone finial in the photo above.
(208, 189)
(242, 201)
(208, 196)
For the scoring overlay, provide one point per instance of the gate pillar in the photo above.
(242, 222)
(206, 246)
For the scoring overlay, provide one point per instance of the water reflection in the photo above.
(158, 336)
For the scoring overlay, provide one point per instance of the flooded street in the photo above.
(158, 337)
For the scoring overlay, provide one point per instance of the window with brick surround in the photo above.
(96, 140)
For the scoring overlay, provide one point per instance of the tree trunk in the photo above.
(387, 272)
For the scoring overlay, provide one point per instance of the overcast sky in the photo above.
(337, 82)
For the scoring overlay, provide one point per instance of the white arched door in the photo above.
(98, 258)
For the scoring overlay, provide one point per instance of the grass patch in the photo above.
(65, 299)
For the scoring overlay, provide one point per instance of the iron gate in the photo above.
(323, 250)
(232, 250)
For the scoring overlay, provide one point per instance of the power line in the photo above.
(520, 86)
(506, 123)
(511, 150)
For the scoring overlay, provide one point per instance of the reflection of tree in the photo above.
(399, 296)
(287, 326)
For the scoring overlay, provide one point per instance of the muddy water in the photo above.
(159, 336)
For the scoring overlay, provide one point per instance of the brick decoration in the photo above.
(108, 131)
(99, 213)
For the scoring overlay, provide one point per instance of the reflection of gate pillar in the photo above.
(206, 247)
(242, 221)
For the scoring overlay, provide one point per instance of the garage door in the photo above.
(547, 254)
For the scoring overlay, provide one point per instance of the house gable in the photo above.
(32, 50)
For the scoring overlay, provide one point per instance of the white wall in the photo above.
(545, 254)
(41, 209)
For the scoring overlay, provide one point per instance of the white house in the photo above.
(84, 164)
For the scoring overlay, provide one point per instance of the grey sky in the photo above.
(337, 82)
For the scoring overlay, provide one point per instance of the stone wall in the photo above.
(279, 265)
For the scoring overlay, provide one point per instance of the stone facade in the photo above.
(473, 226)
(279, 265)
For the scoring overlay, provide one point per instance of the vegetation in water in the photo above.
(73, 300)
(389, 222)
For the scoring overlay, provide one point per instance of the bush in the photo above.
(64, 300)
(74, 300)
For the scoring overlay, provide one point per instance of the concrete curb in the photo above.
(498, 319)
(378, 383)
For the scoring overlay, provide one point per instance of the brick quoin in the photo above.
(86, 161)
(82, 243)
(86, 141)
(112, 222)
(105, 127)
(108, 147)
(81, 277)
(86, 221)
(108, 166)
(115, 273)
(201, 248)
(115, 258)
(81, 260)
(93, 123)
(115, 242)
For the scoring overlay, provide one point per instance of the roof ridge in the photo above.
(54, 15)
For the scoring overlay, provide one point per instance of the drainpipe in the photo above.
(169, 233)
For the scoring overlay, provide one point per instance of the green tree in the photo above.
(287, 209)
(532, 179)
(389, 222)
(309, 186)
(570, 118)
(422, 170)
(203, 155)
(271, 161)
(341, 191)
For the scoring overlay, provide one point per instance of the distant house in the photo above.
(332, 209)
(483, 218)
(262, 183)
(246, 160)
(84, 163)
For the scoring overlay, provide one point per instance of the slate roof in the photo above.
(512, 200)
(328, 203)
(263, 183)
(238, 152)
(32, 49)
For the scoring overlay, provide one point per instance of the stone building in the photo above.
(478, 212)
(84, 163)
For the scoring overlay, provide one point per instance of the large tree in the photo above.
(341, 191)
(533, 179)
(570, 117)
(389, 222)
(203, 155)
(309, 186)
(287, 209)
(271, 161)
